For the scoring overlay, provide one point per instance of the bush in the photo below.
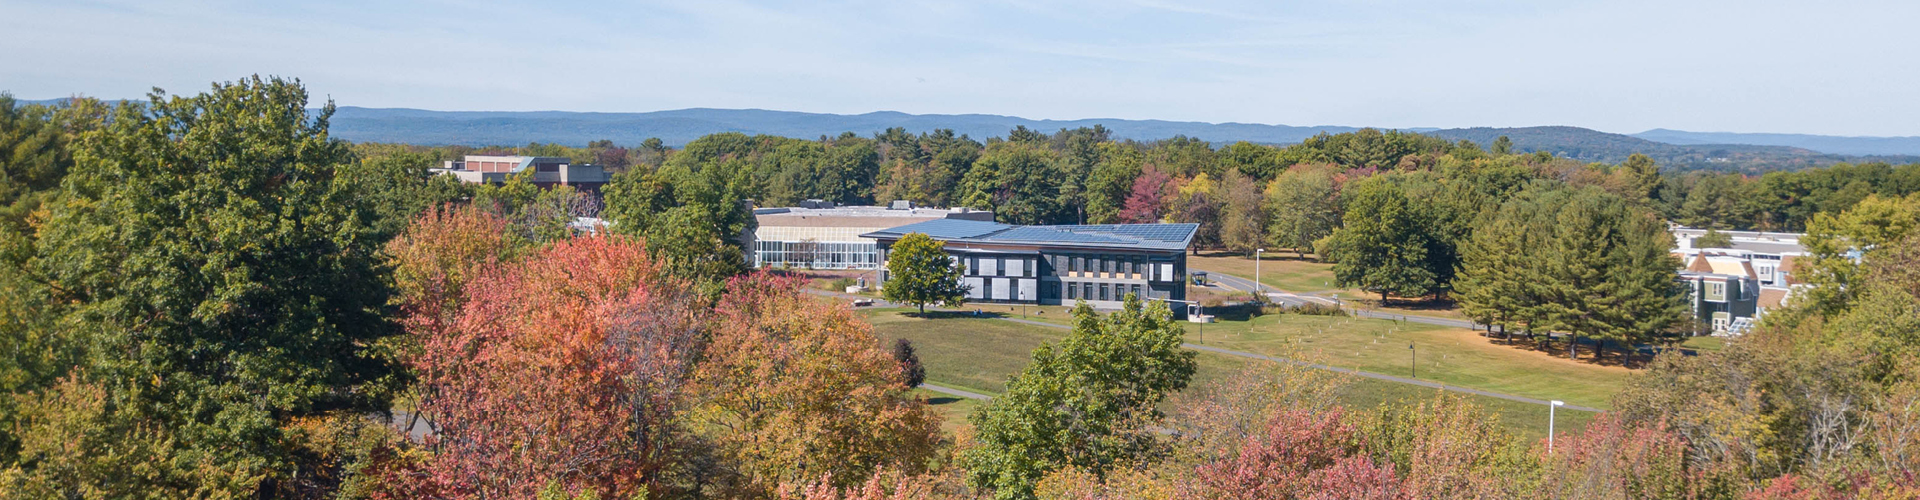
(1308, 309)
(839, 284)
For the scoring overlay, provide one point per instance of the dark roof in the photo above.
(1141, 236)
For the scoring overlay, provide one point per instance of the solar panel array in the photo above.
(1172, 233)
(1050, 234)
(1165, 236)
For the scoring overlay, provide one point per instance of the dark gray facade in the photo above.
(1052, 265)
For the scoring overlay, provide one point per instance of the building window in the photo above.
(1078, 263)
(1103, 292)
(1136, 290)
(1717, 289)
(1086, 291)
(1072, 291)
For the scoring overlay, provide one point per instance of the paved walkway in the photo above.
(955, 392)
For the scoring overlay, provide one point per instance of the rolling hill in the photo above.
(1675, 149)
(478, 128)
(1888, 146)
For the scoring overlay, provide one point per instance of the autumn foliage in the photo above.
(795, 389)
(559, 369)
(1302, 454)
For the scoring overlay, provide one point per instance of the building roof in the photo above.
(1774, 297)
(1140, 236)
(1699, 264)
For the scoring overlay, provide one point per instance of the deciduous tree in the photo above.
(1304, 206)
(920, 272)
(796, 389)
(1089, 402)
(564, 369)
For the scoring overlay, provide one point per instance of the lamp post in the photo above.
(1414, 356)
(1258, 288)
(1551, 405)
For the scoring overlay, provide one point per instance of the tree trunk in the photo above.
(1573, 347)
(1383, 298)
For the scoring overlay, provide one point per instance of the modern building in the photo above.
(1100, 264)
(819, 235)
(1731, 288)
(548, 171)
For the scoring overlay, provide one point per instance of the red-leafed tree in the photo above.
(1612, 459)
(1303, 454)
(558, 371)
(1147, 202)
(794, 389)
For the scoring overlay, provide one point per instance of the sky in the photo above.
(1819, 67)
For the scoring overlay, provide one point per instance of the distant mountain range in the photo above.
(676, 127)
(1822, 143)
(1674, 148)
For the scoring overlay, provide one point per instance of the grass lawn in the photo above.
(953, 410)
(979, 354)
(1451, 356)
(1704, 343)
(1282, 272)
(1286, 273)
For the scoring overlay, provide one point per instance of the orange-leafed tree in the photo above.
(793, 389)
(435, 257)
(559, 371)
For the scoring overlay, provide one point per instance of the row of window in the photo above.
(1100, 291)
(1027, 268)
(815, 255)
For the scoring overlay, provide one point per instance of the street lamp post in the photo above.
(1259, 288)
(1551, 405)
(1414, 356)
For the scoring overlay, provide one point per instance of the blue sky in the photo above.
(1833, 67)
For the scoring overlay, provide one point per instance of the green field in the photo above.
(1452, 356)
(1288, 274)
(1283, 272)
(979, 354)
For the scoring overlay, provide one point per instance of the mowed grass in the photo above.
(1452, 356)
(1286, 273)
(981, 353)
(1283, 272)
(953, 410)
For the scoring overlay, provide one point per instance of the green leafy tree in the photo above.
(1713, 239)
(1841, 244)
(1020, 182)
(1384, 244)
(691, 216)
(398, 187)
(920, 272)
(1111, 182)
(222, 278)
(1090, 402)
(1243, 216)
(1304, 206)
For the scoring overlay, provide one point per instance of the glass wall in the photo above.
(815, 255)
